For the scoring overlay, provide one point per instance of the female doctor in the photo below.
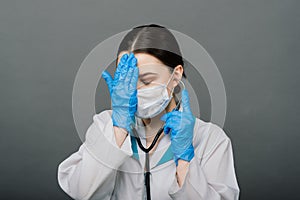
(124, 155)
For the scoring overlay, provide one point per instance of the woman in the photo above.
(123, 157)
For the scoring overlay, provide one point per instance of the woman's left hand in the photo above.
(182, 130)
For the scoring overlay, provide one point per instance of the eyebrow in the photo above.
(147, 73)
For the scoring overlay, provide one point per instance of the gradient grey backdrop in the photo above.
(254, 43)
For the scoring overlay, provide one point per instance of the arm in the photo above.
(93, 167)
(120, 135)
(214, 179)
(181, 171)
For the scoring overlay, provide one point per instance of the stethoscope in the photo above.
(147, 172)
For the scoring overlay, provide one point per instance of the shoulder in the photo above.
(207, 136)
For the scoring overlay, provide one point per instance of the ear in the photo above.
(178, 71)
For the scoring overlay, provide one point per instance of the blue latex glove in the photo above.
(123, 91)
(182, 130)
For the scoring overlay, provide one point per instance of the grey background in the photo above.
(254, 43)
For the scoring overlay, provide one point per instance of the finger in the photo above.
(122, 62)
(174, 121)
(133, 60)
(171, 125)
(166, 129)
(125, 68)
(128, 77)
(168, 115)
(120, 66)
(164, 117)
(132, 66)
(133, 100)
(185, 101)
(108, 79)
(134, 79)
(171, 122)
(124, 58)
(130, 60)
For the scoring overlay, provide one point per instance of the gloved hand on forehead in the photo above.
(123, 91)
(181, 127)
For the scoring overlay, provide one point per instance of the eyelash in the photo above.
(146, 82)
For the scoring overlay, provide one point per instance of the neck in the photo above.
(154, 124)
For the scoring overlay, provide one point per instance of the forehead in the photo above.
(142, 58)
(145, 59)
(147, 62)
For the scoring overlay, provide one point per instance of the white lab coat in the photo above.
(102, 170)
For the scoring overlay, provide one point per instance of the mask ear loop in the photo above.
(176, 90)
(169, 82)
(179, 101)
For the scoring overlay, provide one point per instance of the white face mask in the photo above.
(152, 101)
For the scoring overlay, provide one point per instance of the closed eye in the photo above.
(146, 82)
(147, 78)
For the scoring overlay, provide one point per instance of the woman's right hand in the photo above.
(123, 91)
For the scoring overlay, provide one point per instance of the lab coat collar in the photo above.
(162, 154)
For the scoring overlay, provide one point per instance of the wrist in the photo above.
(187, 155)
(122, 119)
(120, 135)
(181, 171)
